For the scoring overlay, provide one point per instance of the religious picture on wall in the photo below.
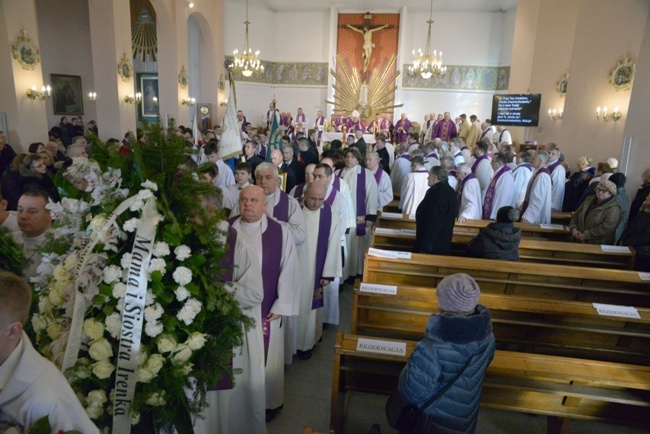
(148, 87)
(622, 77)
(67, 97)
(25, 52)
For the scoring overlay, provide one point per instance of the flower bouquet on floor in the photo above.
(131, 304)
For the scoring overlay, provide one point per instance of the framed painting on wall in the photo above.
(67, 95)
(148, 87)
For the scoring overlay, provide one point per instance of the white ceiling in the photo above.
(387, 5)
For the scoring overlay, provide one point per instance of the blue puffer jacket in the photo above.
(450, 342)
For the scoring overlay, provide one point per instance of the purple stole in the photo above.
(452, 173)
(463, 148)
(406, 156)
(300, 189)
(443, 131)
(476, 163)
(319, 122)
(404, 125)
(262, 152)
(378, 175)
(361, 201)
(433, 154)
(530, 187)
(227, 263)
(524, 165)
(324, 226)
(332, 196)
(552, 168)
(336, 184)
(485, 132)
(460, 191)
(281, 210)
(489, 194)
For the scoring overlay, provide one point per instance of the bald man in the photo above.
(299, 190)
(31, 387)
(277, 255)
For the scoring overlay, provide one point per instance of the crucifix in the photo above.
(367, 32)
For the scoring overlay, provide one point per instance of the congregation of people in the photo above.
(300, 218)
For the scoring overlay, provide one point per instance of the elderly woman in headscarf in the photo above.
(603, 172)
(596, 220)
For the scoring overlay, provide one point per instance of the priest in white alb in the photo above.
(470, 203)
(536, 208)
(384, 186)
(481, 167)
(558, 179)
(521, 174)
(320, 263)
(281, 277)
(500, 190)
(241, 408)
(415, 186)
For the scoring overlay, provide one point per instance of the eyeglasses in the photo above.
(602, 190)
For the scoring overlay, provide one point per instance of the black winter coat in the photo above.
(434, 220)
(496, 241)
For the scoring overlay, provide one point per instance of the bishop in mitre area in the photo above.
(320, 260)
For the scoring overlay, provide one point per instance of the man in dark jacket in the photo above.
(637, 235)
(458, 338)
(435, 216)
(641, 194)
(499, 240)
(7, 153)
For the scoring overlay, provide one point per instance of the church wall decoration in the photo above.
(125, 69)
(461, 77)
(622, 76)
(25, 52)
(67, 94)
(147, 84)
(183, 78)
(562, 85)
(288, 73)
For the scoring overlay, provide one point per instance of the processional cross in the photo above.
(367, 32)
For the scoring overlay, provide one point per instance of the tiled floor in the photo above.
(308, 385)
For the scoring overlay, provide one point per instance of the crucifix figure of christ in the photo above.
(367, 32)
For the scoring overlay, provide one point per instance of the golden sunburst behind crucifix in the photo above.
(372, 96)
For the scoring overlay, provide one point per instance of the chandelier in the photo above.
(426, 64)
(247, 61)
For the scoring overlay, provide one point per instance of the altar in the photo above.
(328, 137)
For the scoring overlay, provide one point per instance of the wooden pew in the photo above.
(528, 324)
(530, 250)
(555, 386)
(472, 227)
(560, 282)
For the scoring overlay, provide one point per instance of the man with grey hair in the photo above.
(448, 164)
(384, 187)
(470, 204)
(436, 215)
(536, 208)
(522, 174)
(415, 186)
(401, 167)
(283, 208)
(431, 158)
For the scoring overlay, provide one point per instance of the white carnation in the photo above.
(111, 274)
(39, 322)
(152, 313)
(182, 275)
(189, 311)
(126, 260)
(181, 293)
(150, 185)
(153, 328)
(160, 249)
(182, 252)
(150, 298)
(119, 290)
(113, 324)
(130, 225)
(157, 264)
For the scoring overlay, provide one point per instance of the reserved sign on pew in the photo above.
(387, 231)
(391, 215)
(381, 347)
(616, 310)
(553, 227)
(615, 249)
(388, 254)
(376, 288)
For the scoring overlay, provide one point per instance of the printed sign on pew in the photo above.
(388, 254)
(381, 347)
(376, 288)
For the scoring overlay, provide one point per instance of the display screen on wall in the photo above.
(521, 110)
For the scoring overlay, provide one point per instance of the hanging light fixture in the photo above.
(426, 64)
(247, 61)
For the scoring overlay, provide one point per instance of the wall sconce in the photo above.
(555, 114)
(155, 100)
(188, 102)
(131, 99)
(190, 4)
(92, 96)
(44, 94)
(615, 115)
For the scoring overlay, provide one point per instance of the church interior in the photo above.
(123, 63)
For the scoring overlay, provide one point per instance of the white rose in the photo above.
(186, 369)
(156, 399)
(160, 249)
(39, 322)
(111, 274)
(150, 185)
(54, 330)
(181, 293)
(135, 418)
(182, 275)
(152, 313)
(130, 225)
(142, 356)
(97, 222)
(182, 252)
(82, 368)
(157, 264)
(155, 363)
(144, 375)
(44, 305)
(57, 295)
(61, 273)
(119, 290)
(97, 396)
(71, 262)
(166, 343)
(196, 341)
(103, 369)
(153, 328)
(182, 355)
(93, 329)
(100, 349)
